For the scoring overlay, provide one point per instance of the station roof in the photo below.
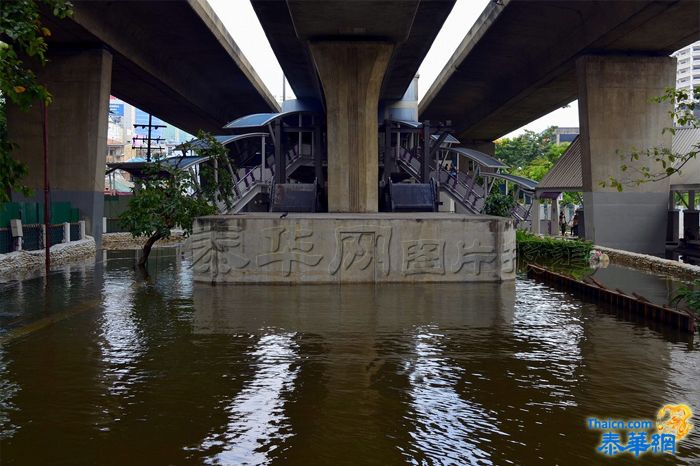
(684, 141)
(566, 174)
(482, 159)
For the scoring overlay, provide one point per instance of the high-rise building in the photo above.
(126, 137)
(688, 69)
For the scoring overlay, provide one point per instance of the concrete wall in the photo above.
(77, 133)
(347, 248)
(616, 116)
(351, 74)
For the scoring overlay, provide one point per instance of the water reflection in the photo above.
(258, 425)
(8, 391)
(172, 373)
(447, 429)
(550, 329)
(121, 342)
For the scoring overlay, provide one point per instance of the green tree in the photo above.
(22, 44)
(166, 197)
(658, 163)
(522, 150)
(498, 204)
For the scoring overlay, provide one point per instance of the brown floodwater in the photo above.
(98, 366)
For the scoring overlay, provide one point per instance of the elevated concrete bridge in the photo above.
(518, 62)
(351, 55)
(523, 58)
(171, 58)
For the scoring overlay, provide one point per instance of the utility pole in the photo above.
(149, 139)
(47, 211)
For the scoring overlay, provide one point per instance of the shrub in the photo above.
(690, 296)
(551, 251)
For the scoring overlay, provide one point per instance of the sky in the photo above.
(243, 25)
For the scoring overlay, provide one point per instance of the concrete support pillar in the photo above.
(616, 114)
(80, 83)
(554, 215)
(351, 74)
(535, 217)
(66, 232)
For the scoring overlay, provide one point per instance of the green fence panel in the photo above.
(8, 211)
(60, 212)
(30, 213)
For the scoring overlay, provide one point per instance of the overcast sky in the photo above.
(243, 25)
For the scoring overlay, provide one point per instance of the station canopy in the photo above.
(260, 120)
(449, 139)
(526, 184)
(224, 140)
(139, 166)
(480, 158)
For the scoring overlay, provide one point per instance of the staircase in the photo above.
(460, 187)
(253, 181)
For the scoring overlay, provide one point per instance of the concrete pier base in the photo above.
(353, 248)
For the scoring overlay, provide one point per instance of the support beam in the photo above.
(616, 114)
(80, 83)
(388, 156)
(351, 75)
(280, 159)
(425, 161)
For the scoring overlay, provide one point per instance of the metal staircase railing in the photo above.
(257, 180)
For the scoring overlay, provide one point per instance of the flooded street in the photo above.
(108, 369)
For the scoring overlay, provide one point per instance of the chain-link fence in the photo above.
(55, 234)
(74, 231)
(114, 226)
(5, 240)
(32, 239)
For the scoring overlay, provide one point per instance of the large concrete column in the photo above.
(616, 114)
(351, 74)
(80, 83)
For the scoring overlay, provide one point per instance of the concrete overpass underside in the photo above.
(351, 55)
(518, 62)
(173, 59)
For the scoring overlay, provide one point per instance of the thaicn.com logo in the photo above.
(639, 437)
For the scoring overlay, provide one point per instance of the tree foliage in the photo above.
(22, 44)
(166, 197)
(658, 163)
(498, 204)
(522, 150)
